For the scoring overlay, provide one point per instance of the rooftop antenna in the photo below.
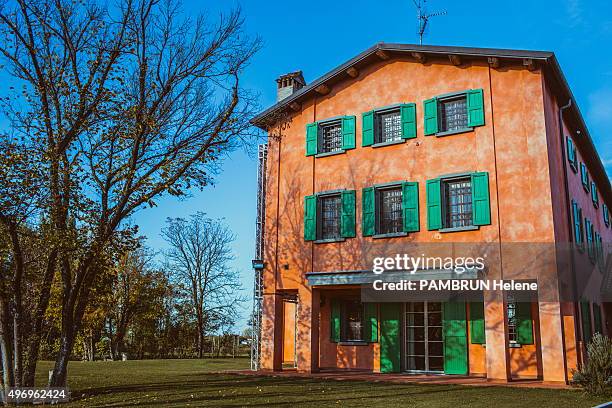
(423, 17)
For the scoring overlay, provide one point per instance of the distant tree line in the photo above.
(106, 108)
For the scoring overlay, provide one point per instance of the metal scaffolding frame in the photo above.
(259, 256)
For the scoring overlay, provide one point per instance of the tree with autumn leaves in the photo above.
(109, 108)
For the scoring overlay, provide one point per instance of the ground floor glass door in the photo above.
(424, 348)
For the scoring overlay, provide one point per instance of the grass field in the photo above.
(180, 383)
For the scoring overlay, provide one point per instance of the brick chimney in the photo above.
(288, 84)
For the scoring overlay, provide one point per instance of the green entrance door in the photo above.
(455, 338)
(390, 325)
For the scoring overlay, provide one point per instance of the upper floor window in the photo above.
(578, 226)
(571, 154)
(390, 218)
(584, 176)
(457, 202)
(329, 216)
(606, 215)
(594, 195)
(454, 113)
(388, 126)
(329, 222)
(330, 136)
(390, 209)
(330, 139)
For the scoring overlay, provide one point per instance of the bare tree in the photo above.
(199, 256)
(121, 106)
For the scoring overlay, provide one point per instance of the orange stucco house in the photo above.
(427, 147)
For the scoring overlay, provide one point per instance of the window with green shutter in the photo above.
(585, 316)
(477, 323)
(348, 132)
(330, 136)
(606, 215)
(578, 231)
(594, 196)
(571, 154)
(368, 207)
(588, 227)
(454, 113)
(388, 125)
(584, 176)
(371, 322)
(310, 218)
(367, 128)
(410, 206)
(458, 202)
(391, 209)
(348, 214)
(597, 318)
(335, 318)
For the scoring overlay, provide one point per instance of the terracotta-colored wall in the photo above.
(512, 147)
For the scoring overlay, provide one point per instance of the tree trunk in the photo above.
(60, 370)
(8, 377)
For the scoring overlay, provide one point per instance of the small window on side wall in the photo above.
(606, 215)
(594, 196)
(584, 176)
(454, 113)
(572, 157)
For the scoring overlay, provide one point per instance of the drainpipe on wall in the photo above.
(570, 225)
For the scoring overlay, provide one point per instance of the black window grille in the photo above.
(330, 210)
(512, 320)
(330, 137)
(458, 203)
(453, 114)
(390, 218)
(388, 126)
(353, 321)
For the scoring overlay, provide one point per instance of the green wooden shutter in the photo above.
(371, 322)
(475, 107)
(571, 153)
(524, 323)
(586, 321)
(481, 207)
(594, 195)
(336, 311)
(408, 116)
(589, 237)
(312, 130)
(368, 208)
(477, 323)
(390, 318)
(584, 176)
(410, 206)
(577, 223)
(597, 318)
(434, 205)
(455, 338)
(310, 218)
(606, 215)
(367, 128)
(430, 108)
(347, 227)
(348, 132)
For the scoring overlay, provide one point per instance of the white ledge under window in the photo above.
(455, 131)
(390, 235)
(389, 143)
(335, 152)
(457, 229)
(329, 240)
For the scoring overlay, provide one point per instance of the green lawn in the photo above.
(179, 383)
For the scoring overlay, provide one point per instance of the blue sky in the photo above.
(315, 36)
